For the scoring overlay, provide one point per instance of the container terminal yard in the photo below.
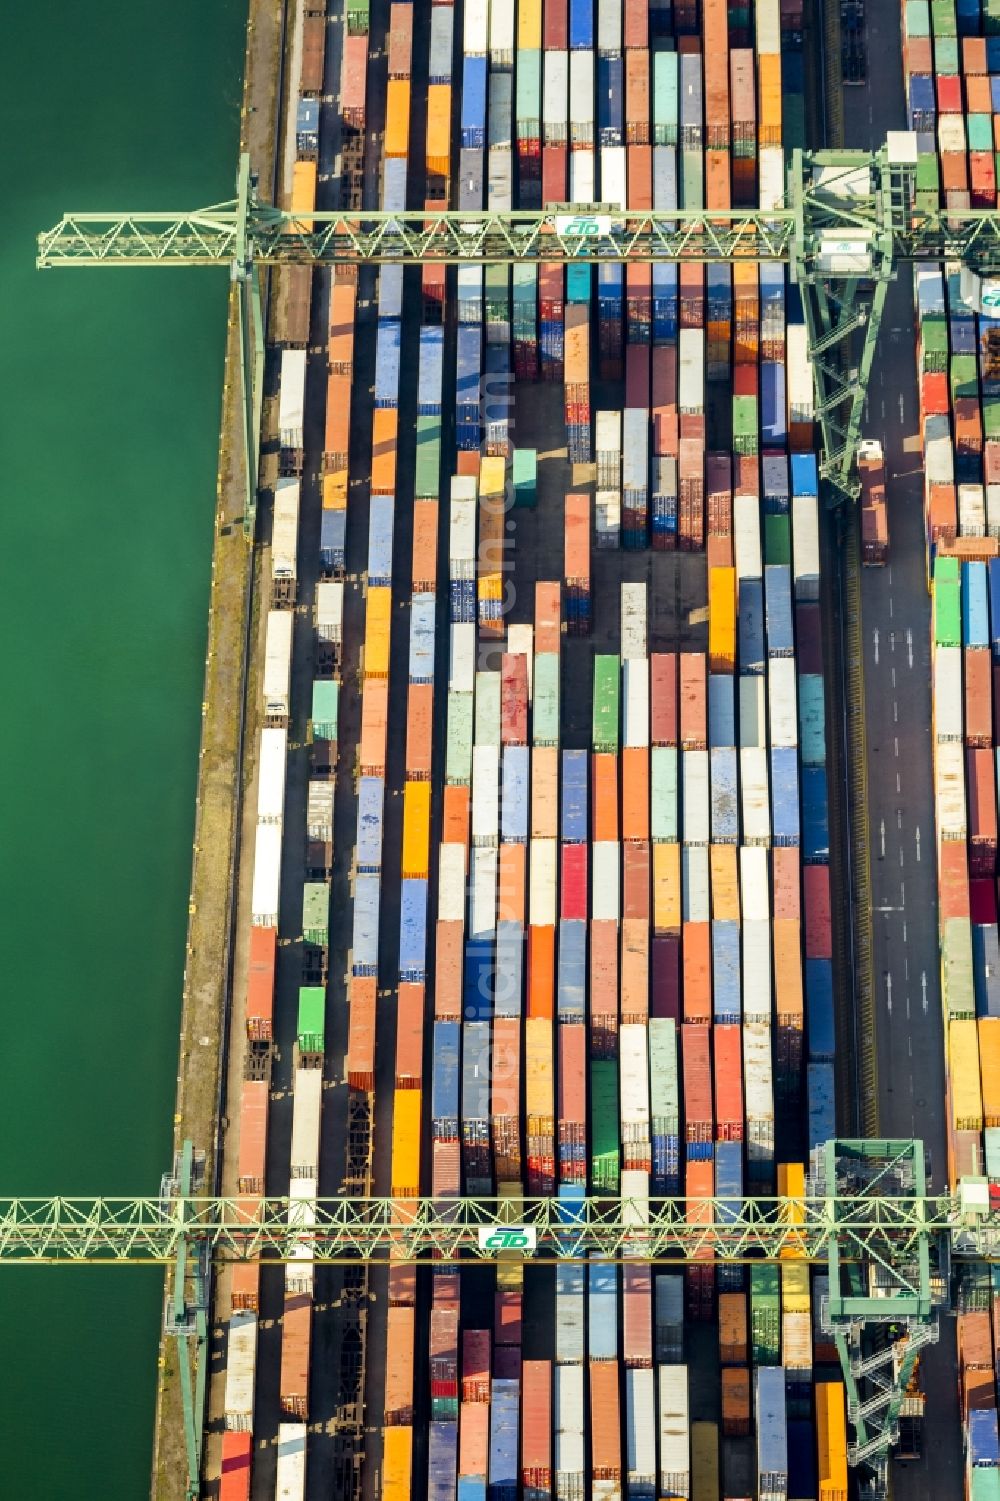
(619, 796)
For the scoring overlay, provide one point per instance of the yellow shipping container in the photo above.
(769, 97)
(490, 586)
(406, 1143)
(377, 624)
(492, 476)
(724, 861)
(397, 118)
(666, 888)
(963, 1070)
(304, 191)
(721, 619)
(795, 1286)
(438, 149)
(831, 1440)
(416, 830)
(792, 1186)
(335, 490)
(529, 25)
(989, 1068)
(539, 1096)
(510, 1264)
(397, 1463)
(704, 1462)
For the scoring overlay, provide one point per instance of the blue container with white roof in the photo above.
(387, 340)
(725, 817)
(573, 817)
(509, 966)
(429, 379)
(364, 933)
(307, 127)
(413, 931)
(921, 107)
(572, 970)
(423, 615)
(371, 800)
(784, 795)
(462, 601)
(505, 1406)
(805, 478)
(975, 605)
(729, 1185)
(602, 1310)
(721, 710)
(726, 1007)
(820, 1022)
(394, 196)
(750, 627)
(663, 483)
(514, 800)
(468, 385)
(390, 290)
(472, 1488)
(815, 818)
(442, 1461)
(774, 468)
(778, 593)
(475, 1071)
(332, 541)
(772, 1432)
(380, 522)
(821, 1094)
(477, 989)
(444, 1080)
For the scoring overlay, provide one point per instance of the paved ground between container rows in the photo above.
(896, 635)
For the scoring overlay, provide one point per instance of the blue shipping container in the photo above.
(815, 822)
(371, 798)
(429, 380)
(509, 962)
(504, 1413)
(984, 1441)
(778, 591)
(581, 23)
(610, 99)
(332, 539)
(772, 1434)
(721, 710)
(986, 969)
(477, 991)
(602, 1307)
(474, 102)
(442, 1461)
(423, 610)
(802, 1473)
(394, 188)
(444, 1072)
(820, 1020)
(514, 794)
(726, 1006)
(975, 605)
(750, 626)
(724, 800)
(805, 479)
(772, 399)
(573, 817)
(390, 291)
(822, 1101)
(475, 1071)
(364, 934)
(380, 523)
(572, 976)
(784, 795)
(413, 930)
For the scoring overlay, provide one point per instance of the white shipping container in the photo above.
(755, 939)
(635, 460)
(277, 663)
(695, 797)
(640, 1419)
(746, 537)
(485, 794)
(800, 378)
(796, 1344)
(555, 96)
(501, 33)
(949, 791)
(292, 397)
(285, 528)
(570, 1301)
(319, 809)
(521, 643)
(241, 1362)
(614, 184)
(758, 1090)
(581, 173)
(675, 1431)
(633, 619)
(633, 1065)
(499, 196)
(939, 459)
(951, 134)
(755, 884)
(993, 510)
(266, 876)
(483, 897)
(948, 697)
(783, 701)
(695, 884)
(971, 511)
(609, 25)
(271, 775)
(805, 547)
(330, 610)
(462, 535)
(753, 712)
(475, 17)
(608, 515)
(470, 310)
(608, 447)
(605, 900)
(290, 1484)
(755, 802)
(636, 697)
(487, 708)
(767, 20)
(568, 1416)
(691, 371)
(451, 883)
(581, 97)
(771, 176)
(462, 668)
(542, 860)
(301, 1216)
(307, 1103)
(635, 1198)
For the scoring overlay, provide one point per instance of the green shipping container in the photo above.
(793, 121)
(946, 56)
(427, 478)
(487, 708)
(444, 1409)
(812, 720)
(957, 984)
(325, 709)
(663, 794)
(934, 345)
(663, 1075)
(947, 603)
(665, 98)
(985, 1484)
(963, 376)
(357, 16)
(765, 1315)
(528, 108)
(928, 174)
(777, 540)
(496, 289)
(991, 17)
(525, 477)
(545, 699)
(991, 416)
(316, 913)
(980, 129)
(604, 1161)
(578, 283)
(458, 755)
(525, 281)
(745, 428)
(312, 1018)
(918, 18)
(604, 731)
(943, 18)
(692, 182)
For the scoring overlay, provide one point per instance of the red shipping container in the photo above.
(548, 616)
(361, 1032)
(728, 1058)
(982, 179)
(237, 1449)
(507, 1318)
(745, 380)
(663, 698)
(949, 93)
(555, 163)
(666, 430)
(253, 1136)
(981, 897)
(605, 1442)
(934, 395)
(636, 103)
(576, 533)
(572, 1091)
(816, 887)
(448, 951)
(942, 513)
(991, 461)
(696, 953)
(637, 375)
(953, 880)
(635, 880)
(260, 983)
(554, 35)
(505, 1091)
(697, 1074)
(748, 474)
(978, 706)
(694, 700)
(398, 1398)
(637, 1314)
(982, 795)
(419, 731)
(514, 700)
(409, 1035)
(536, 1424)
(665, 957)
(573, 891)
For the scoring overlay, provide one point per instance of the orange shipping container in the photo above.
(397, 118)
(361, 1033)
(474, 1438)
(336, 442)
(637, 98)
(541, 972)
(694, 701)
(378, 613)
(727, 1047)
(604, 796)
(303, 193)
(419, 731)
(606, 1449)
(455, 820)
(788, 972)
(732, 1328)
(769, 98)
(449, 938)
(409, 1035)
(989, 1067)
(735, 1401)
(296, 1328)
(406, 1143)
(696, 960)
(724, 865)
(831, 1436)
(244, 1286)
(722, 619)
(374, 718)
(425, 542)
(539, 1096)
(438, 151)
(576, 357)
(506, 1069)
(253, 1135)
(635, 972)
(717, 191)
(397, 1463)
(577, 539)
(510, 900)
(260, 983)
(545, 792)
(398, 1406)
(635, 793)
(341, 343)
(335, 490)
(384, 429)
(785, 864)
(548, 616)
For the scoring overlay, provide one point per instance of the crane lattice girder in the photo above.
(883, 1230)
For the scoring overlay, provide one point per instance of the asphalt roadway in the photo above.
(896, 634)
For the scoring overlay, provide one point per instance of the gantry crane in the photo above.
(848, 222)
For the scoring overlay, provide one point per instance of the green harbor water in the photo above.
(111, 384)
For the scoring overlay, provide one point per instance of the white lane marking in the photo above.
(902, 411)
(890, 606)
(894, 677)
(895, 712)
(875, 640)
(899, 818)
(897, 782)
(923, 990)
(902, 894)
(888, 992)
(901, 859)
(881, 837)
(918, 845)
(909, 646)
(895, 741)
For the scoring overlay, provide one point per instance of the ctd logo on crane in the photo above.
(507, 1238)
